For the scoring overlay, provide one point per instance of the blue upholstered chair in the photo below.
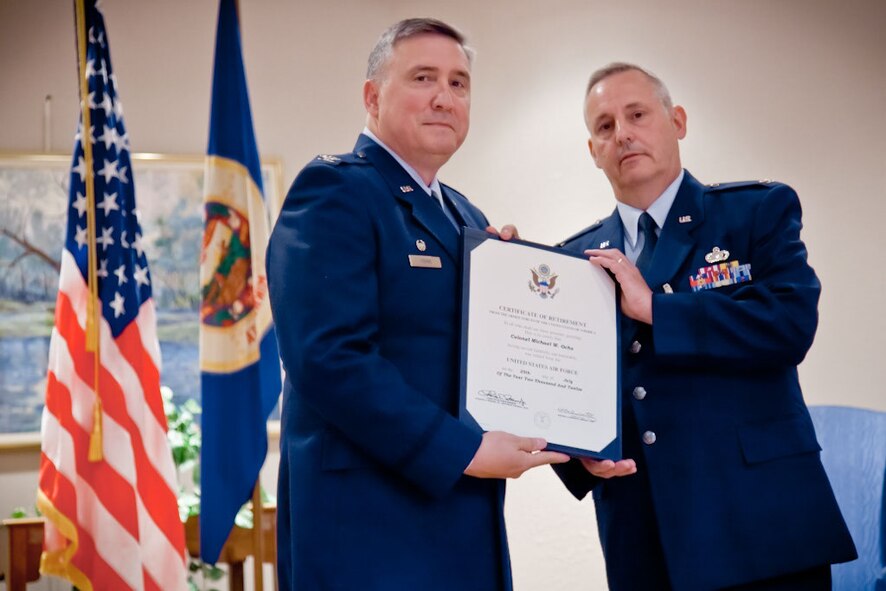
(853, 442)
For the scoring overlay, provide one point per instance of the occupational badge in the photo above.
(716, 255)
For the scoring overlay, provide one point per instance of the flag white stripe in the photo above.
(160, 559)
(147, 330)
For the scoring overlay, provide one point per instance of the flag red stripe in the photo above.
(150, 584)
(131, 348)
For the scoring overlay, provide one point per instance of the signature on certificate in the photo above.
(499, 398)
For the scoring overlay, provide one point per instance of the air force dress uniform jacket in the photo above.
(729, 478)
(363, 271)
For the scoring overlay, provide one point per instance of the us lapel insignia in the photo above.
(684, 219)
(406, 188)
(604, 244)
(420, 245)
(716, 255)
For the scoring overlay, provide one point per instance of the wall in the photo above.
(786, 89)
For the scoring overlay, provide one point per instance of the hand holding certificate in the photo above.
(539, 346)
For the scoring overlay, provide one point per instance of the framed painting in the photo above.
(33, 204)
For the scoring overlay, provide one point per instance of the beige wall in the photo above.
(792, 90)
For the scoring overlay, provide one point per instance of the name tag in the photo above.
(425, 261)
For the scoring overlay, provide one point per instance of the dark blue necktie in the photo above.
(647, 228)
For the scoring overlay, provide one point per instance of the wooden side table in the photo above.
(25, 547)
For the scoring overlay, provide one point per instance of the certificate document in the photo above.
(540, 355)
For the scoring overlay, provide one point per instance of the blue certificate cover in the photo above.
(539, 346)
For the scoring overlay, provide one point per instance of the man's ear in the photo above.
(593, 153)
(679, 119)
(370, 97)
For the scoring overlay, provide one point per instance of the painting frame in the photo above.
(24, 175)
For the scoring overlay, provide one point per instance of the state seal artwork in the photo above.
(227, 293)
(235, 312)
(543, 282)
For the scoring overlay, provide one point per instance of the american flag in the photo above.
(107, 481)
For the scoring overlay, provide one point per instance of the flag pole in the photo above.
(257, 550)
(92, 332)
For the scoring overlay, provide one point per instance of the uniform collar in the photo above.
(659, 209)
(435, 184)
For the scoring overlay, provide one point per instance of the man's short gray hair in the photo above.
(405, 29)
(618, 67)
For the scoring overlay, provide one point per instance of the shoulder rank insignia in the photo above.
(716, 255)
(578, 235)
(329, 158)
(762, 183)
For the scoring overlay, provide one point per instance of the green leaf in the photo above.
(18, 513)
(212, 572)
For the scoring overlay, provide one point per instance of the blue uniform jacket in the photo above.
(372, 494)
(729, 476)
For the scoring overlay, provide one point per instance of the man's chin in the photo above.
(444, 148)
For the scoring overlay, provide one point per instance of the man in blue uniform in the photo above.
(722, 486)
(380, 486)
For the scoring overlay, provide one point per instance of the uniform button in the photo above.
(649, 437)
(639, 392)
(635, 347)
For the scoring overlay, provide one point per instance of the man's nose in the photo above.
(443, 97)
(623, 133)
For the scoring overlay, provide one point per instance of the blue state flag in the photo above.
(239, 363)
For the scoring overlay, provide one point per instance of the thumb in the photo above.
(509, 231)
(548, 457)
(531, 444)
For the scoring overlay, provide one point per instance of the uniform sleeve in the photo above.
(324, 295)
(769, 321)
(576, 478)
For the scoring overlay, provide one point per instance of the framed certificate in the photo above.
(539, 348)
